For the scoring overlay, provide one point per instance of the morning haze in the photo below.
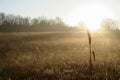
(59, 40)
(53, 8)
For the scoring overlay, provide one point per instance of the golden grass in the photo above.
(59, 55)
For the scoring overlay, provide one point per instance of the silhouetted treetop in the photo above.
(17, 23)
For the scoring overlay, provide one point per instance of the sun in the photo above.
(90, 14)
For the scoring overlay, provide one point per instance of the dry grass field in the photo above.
(58, 56)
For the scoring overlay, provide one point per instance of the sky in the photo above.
(71, 11)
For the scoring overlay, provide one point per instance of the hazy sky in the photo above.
(66, 9)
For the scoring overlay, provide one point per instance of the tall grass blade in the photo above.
(90, 39)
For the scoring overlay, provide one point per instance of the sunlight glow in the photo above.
(91, 15)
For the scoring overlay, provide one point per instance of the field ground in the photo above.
(58, 56)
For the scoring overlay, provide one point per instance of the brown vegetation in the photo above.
(58, 56)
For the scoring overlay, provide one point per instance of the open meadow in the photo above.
(59, 39)
(58, 56)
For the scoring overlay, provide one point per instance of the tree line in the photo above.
(17, 23)
(10, 23)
